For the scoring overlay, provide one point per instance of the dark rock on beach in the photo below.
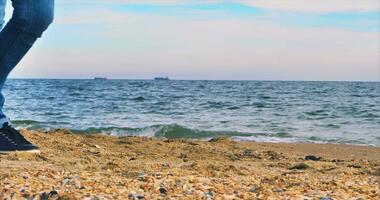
(300, 166)
(313, 158)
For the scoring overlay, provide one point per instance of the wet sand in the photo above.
(72, 166)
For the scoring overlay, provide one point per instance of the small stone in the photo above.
(65, 181)
(376, 172)
(178, 183)
(247, 152)
(95, 198)
(209, 194)
(163, 191)
(255, 189)
(355, 166)
(218, 139)
(136, 196)
(78, 183)
(313, 158)
(326, 198)
(141, 177)
(278, 190)
(301, 166)
(44, 196)
(53, 193)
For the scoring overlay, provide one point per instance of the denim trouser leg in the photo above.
(2, 12)
(29, 20)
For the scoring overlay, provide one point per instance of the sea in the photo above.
(262, 111)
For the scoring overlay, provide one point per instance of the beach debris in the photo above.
(188, 165)
(250, 153)
(51, 195)
(376, 172)
(278, 190)
(273, 155)
(354, 166)
(163, 190)
(300, 166)
(209, 194)
(78, 183)
(178, 183)
(183, 157)
(218, 139)
(136, 196)
(313, 158)
(44, 196)
(132, 158)
(66, 181)
(63, 131)
(247, 152)
(337, 160)
(255, 189)
(141, 177)
(95, 198)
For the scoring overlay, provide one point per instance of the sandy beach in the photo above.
(73, 166)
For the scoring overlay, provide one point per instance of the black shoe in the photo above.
(11, 141)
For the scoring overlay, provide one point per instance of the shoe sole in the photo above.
(34, 151)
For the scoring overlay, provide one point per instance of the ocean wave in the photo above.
(170, 131)
(175, 131)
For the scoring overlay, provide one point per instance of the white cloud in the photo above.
(144, 46)
(315, 6)
(135, 45)
(318, 6)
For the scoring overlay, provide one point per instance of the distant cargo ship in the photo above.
(100, 78)
(161, 78)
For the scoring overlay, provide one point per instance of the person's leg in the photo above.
(29, 20)
(2, 12)
(2, 15)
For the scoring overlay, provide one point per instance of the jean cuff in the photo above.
(3, 121)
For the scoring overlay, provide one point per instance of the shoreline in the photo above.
(95, 166)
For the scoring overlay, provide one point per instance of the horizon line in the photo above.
(152, 79)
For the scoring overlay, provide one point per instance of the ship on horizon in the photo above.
(100, 78)
(161, 79)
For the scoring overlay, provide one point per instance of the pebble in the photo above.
(247, 152)
(53, 194)
(95, 198)
(44, 196)
(217, 139)
(65, 181)
(355, 166)
(136, 196)
(254, 189)
(376, 172)
(313, 158)
(163, 191)
(209, 194)
(301, 166)
(141, 177)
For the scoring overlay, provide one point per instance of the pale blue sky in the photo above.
(210, 39)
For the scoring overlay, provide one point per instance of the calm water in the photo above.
(335, 112)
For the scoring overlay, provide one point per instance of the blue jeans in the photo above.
(29, 20)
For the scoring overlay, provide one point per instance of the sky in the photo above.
(209, 39)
